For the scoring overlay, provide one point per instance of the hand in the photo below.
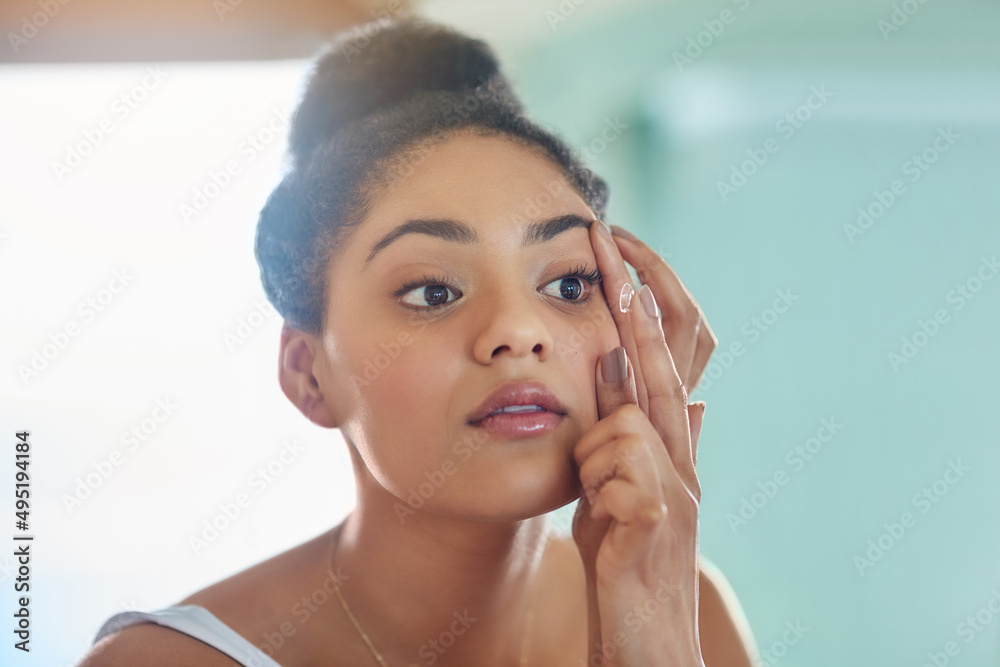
(688, 336)
(636, 524)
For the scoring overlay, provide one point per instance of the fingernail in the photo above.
(603, 228)
(649, 302)
(613, 367)
(625, 298)
(625, 234)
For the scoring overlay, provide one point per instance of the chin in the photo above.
(524, 501)
(505, 500)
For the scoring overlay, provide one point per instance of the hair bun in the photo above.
(381, 63)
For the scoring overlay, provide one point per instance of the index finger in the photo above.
(620, 293)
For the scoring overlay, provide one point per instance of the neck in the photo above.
(430, 585)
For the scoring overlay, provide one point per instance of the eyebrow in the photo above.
(459, 232)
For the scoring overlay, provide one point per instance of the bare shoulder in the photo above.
(244, 601)
(725, 634)
(154, 646)
(261, 584)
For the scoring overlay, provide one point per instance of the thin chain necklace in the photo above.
(335, 544)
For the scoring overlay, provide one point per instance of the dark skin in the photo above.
(473, 544)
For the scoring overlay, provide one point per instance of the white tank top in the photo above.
(198, 622)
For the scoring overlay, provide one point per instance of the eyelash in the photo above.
(592, 278)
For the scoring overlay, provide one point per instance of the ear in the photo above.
(296, 359)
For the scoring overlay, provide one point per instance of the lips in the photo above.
(517, 393)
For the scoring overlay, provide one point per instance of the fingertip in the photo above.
(623, 233)
(696, 416)
(614, 366)
(697, 420)
(602, 229)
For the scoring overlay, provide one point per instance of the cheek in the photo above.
(405, 384)
(579, 348)
(412, 388)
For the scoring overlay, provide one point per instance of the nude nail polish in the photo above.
(649, 302)
(613, 366)
(624, 233)
(603, 228)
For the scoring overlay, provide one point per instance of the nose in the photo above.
(513, 326)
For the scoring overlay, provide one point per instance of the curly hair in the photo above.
(365, 117)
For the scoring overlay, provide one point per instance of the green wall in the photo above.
(926, 418)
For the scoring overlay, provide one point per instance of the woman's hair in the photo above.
(370, 110)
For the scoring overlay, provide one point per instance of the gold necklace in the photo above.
(335, 544)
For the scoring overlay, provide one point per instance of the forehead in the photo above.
(481, 180)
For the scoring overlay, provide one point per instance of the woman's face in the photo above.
(419, 332)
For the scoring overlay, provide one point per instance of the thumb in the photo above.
(615, 382)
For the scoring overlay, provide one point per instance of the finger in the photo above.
(628, 420)
(626, 503)
(707, 342)
(629, 458)
(588, 533)
(636, 520)
(615, 382)
(682, 316)
(696, 415)
(620, 293)
(666, 392)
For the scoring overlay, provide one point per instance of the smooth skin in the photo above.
(479, 542)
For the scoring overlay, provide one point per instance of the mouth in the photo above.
(519, 408)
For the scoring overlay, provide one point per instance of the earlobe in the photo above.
(298, 382)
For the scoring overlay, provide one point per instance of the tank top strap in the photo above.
(195, 621)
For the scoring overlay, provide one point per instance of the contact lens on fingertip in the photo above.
(625, 298)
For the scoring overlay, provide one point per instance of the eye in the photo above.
(428, 293)
(569, 287)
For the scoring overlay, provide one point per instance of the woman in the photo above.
(445, 281)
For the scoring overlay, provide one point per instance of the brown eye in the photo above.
(567, 288)
(428, 296)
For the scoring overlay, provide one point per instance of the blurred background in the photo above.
(823, 176)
